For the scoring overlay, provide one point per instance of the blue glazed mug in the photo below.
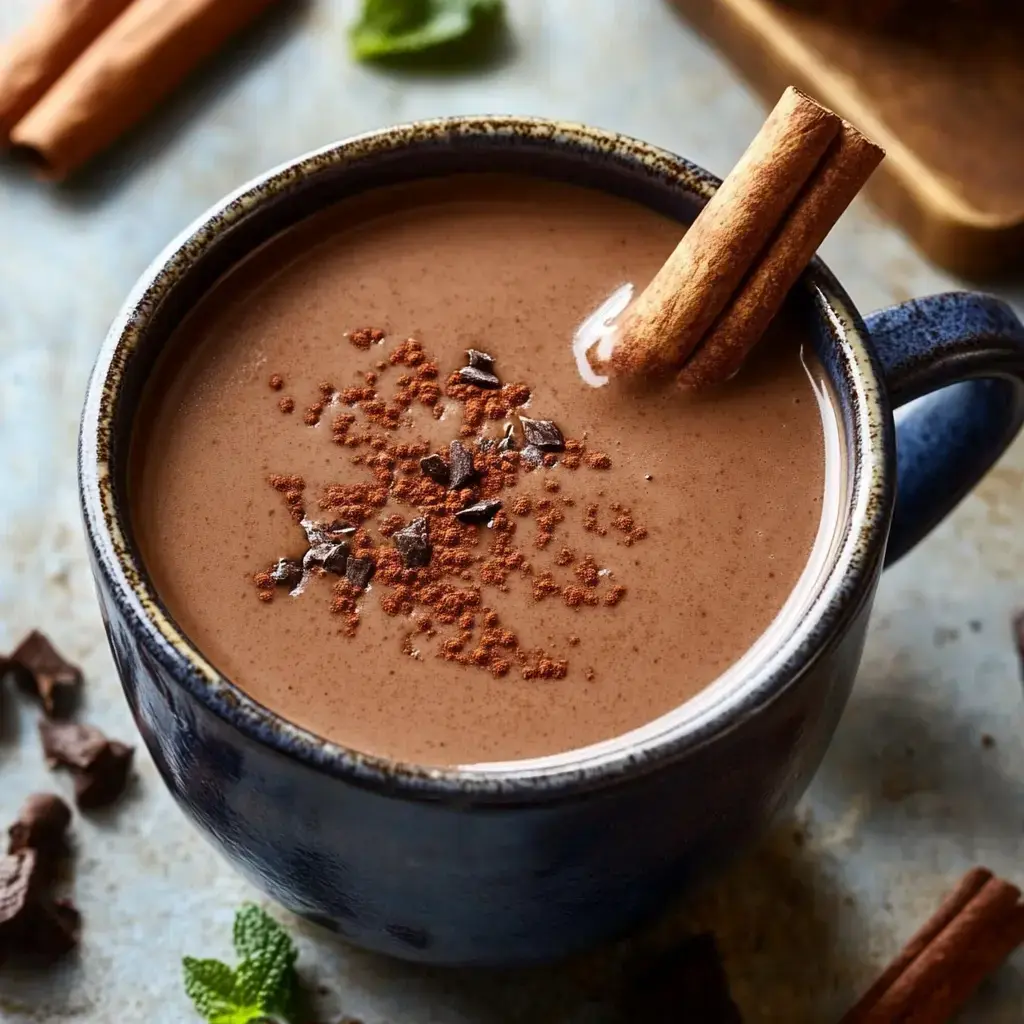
(535, 861)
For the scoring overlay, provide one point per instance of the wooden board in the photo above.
(942, 93)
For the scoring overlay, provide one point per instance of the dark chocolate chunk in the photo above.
(32, 927)
(481, 512)
(359, 572)
(508, 442)
(484, 444)
(542, 434)
(106, 779)
(332, 557)
(71, 745)
(41, 670)
(460, 458)
(481, 378)
(413, 543)
(286, 572)
(333, 532)
(436, 468)
(532, 454)
(691, 976)
(480, 360)
(41, 826)
(53, 930)
(101, 766)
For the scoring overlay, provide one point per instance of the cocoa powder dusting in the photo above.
(401, 529)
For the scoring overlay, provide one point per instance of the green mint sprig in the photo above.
(394, 28)
(261, 988)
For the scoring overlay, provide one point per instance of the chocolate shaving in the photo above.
(481, 512)
(482, 379)
(480, 360)
(100, 766)
(460, 458)
(508, 442)
(286, 572)
(436, 469)
(41, 670)
(542, 434)
(333, 532)
(331, 557)
(41, 826)
(532, 454)
(359, 572)
(413, 543)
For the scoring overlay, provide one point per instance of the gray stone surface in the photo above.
(908, 797)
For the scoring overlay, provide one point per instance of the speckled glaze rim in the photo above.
(845, 584)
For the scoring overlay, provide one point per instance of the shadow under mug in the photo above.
(531, 863)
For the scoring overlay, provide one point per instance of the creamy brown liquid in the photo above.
(729, 487)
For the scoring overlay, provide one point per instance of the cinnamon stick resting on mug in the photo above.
(716, 294)
(45, 48)
(127, 70)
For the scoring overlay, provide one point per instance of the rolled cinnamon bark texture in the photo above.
(713, 299)
(44, 49)
(140, 57)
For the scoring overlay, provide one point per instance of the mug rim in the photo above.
(845, 583)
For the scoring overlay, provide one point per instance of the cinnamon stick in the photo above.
(732, 269)
(669, 318)
(128, 69)
(45, 48)
(968, 937)
(844, 169)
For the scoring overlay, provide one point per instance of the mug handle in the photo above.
(962, 354)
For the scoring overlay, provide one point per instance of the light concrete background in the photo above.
(908, 797)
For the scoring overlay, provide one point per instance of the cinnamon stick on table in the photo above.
(45, 48)
(728, 277)
(127, 70)
(974, 930)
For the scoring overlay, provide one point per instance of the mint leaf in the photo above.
(210, 985)
(262, 988)
(390, 28)
(257, 932)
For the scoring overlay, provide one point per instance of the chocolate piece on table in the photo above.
(436, 469)
(41, 669)
(481, 512)
(101, 766)
(41, 826)
(287, 572)
(482, 379)
(460, 458)
(105, 781)
(32, 927)
(542, 434)
(685, 982)
(480, 360)
(413, 543)
(18, 885)
(359, 572)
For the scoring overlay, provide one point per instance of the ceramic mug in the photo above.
(514, 865)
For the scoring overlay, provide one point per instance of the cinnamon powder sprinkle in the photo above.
(441, 595)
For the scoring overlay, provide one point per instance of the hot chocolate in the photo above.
(373, 488)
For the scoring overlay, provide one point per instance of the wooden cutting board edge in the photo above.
(946, 228)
